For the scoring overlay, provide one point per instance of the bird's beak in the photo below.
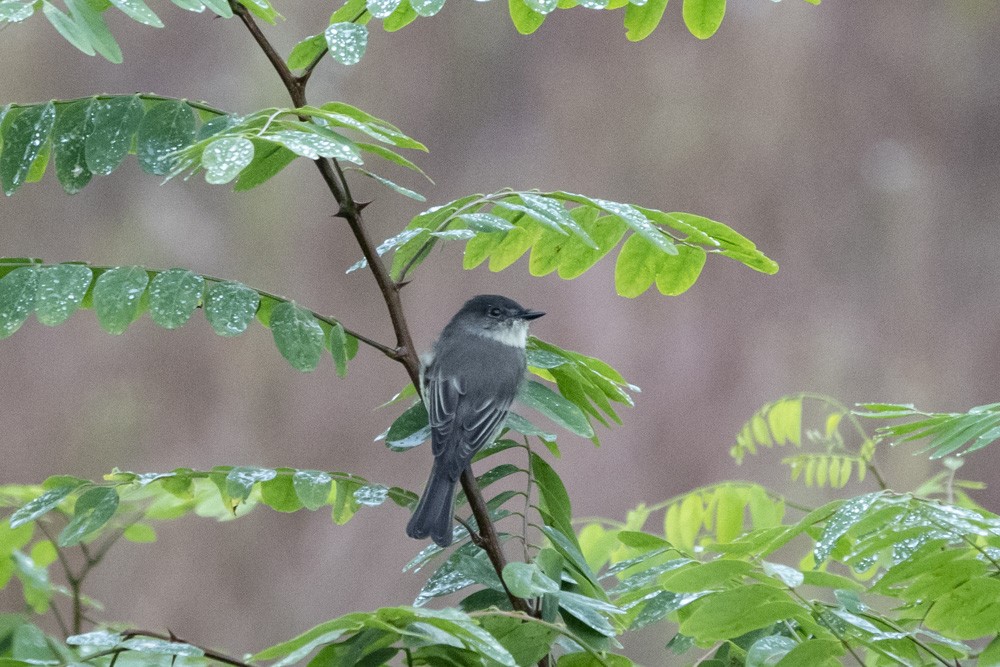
(531, 314)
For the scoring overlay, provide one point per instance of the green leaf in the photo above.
(819, 652)
(641, 20)
(240, 480)
(18, 290)
(312, 487)
(402, 17)
(305, 52)
(137, 10)
(69, 137)
(226, 157)
(556, 408)
(140, 533)
(346, 41)
(60, 292)
(638, 265)
(316, 142)
(167, 127)
(428, 8)
(525, 19)
(268, 160)
(230, 307)
(703, 17)
(12, 11)
(23, 142)
(114, 121)
(337, 343)
(769, 650)
(93, 509)
(42, 504)
(410, 429)
(554, 501)
(526, 580)
(577, 258)
(220, 7)
(722, 616)
(118, 297)
(92, 25)
(173, 296)
(382, 8)
(67, 27)
(406, 192)
(678, 273)
(297, 335)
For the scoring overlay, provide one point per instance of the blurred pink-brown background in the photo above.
(857, 143)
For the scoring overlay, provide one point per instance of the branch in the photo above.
(350, 211)
(171, 637)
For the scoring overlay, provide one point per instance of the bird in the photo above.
(468, 381)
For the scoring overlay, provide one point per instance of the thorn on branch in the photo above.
(362, 205)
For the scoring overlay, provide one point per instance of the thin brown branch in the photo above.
(350, 210)
(210, 654)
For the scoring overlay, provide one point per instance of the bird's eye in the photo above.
(495, 312)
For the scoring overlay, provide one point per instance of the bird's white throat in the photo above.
(515, 335)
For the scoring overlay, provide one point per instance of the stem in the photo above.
(404, 353)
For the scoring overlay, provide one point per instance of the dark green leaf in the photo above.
(167, 127)
(113, 122)
(173, 296)
(18, 290)
(555, 504)
(69, 137)
(525, 580)
(337, 342)
(118, 297)
(230, 307)
(93, 509)
(23, 141)
(268, 160)
(61, 289)
(410, 429)
(297, 336)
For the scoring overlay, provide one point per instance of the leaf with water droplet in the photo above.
(18, 291)
(406, 192)
(842, 520)
(67, 27)
(137, 10)
(230, 307)
(118, 297)
(314, 145)
(347, 42)
(69, 138)
(371, 495)
(154, 646)
(382, 8)
(427, 7)
(167, 127)
(23, 141)
(12, 11)
(114, 122)
(312, 487)
(542, 6)
(41, 505)
(60, 291)
(224, 158)
(639, 223)
(556, 407)
(240, 480)
(410, 429)
(93, 509)
(173, 296)
(594, 4)
(297, 335)
(485, 222)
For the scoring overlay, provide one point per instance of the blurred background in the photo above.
(857, 143)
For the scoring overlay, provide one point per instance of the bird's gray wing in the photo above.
(460, 425)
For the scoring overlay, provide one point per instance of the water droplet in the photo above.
(347, 42)
(382, 8)
(371, 495)
(427, 7)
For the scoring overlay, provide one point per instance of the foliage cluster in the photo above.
(880, 578)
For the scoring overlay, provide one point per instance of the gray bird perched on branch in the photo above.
(468, 382)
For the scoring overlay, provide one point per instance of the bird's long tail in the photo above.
(433, 514)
